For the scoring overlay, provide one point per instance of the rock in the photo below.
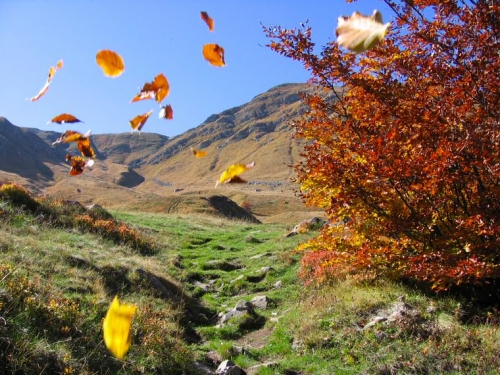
(251, 239)
(258, 256)
(304, 226)
(241, 277)
(260, 302)
(228, 367)
(278, 284)
(204, 287)
(202, 368)
(256, 369)
(266, 270)
(243, 306)
(221, 265)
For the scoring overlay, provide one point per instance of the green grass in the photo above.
(57, 278)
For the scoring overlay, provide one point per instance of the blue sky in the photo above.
(161, 36)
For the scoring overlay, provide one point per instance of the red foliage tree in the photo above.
(404, 140)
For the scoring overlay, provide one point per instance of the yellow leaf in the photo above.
(116, 327)
(231, 174)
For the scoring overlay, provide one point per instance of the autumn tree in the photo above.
(404, 140)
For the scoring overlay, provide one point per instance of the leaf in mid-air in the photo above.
(64, 118)
(231, 174)
(156, 90)
(166, 112)
(359, 33)
(208, 20)
(198, 153)
(138, 121)
(52, 72)
(214, 54)
(110, 62)
(116, 327)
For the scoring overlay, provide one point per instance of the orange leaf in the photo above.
(166, 112)
(64, 118)
(214, 54)
(198, 153)
(157, 90)
(110, 62)
(359, 33)
(138, 121)
(52, 72)
(208, 20)
(78, 164)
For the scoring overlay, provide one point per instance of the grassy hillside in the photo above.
(61, 264)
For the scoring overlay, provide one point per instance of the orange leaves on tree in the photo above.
(405, 142)
(110, 62)
(214, 54)
(138, 121)
(208, 20)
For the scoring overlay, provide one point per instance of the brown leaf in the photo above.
(214, 54)
(78, 164)
(110, 62)
(65, 118)
(208, 20)
(83, 142)
(166, 112)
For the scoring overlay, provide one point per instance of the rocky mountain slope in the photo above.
(155, 172)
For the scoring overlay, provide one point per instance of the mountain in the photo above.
(153, 172)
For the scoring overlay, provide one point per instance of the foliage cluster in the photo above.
(73, 215)
(404, 141)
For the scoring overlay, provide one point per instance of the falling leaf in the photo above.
(78, 164)
(166, 112)
(110, 62)
(359, 33)
(208, 20)
(156, 90)
(198, 153)
(214, 54)
(52, 72)
(116, 327)
(83, 142)
(231, 174)
(138, 121)
(64, 118)
(85, 148)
